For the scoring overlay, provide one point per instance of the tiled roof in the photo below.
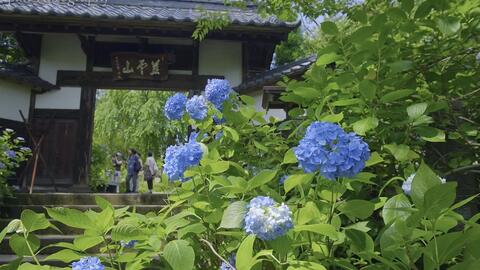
(23, 75)
(148, 10)
(272, 76)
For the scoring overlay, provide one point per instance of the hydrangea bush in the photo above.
(352, 133)
(12, 154)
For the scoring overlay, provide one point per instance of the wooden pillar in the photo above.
(87, 111)
(245, 61)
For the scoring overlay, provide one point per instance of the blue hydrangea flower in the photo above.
(219, 135)
(282, 179)
(175, 106)
(11, 154)
(217, 91)
(218, 121)
(88, 263)
(232, 259)
(266, 219)
(179, 158)
(327, 148)
(128, 244)
(2, 165)
(407, 184)
(197, 107)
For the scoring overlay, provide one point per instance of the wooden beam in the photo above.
(104, 80)
(147, 29)
(87, 112)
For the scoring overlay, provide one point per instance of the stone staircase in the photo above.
(13, 207)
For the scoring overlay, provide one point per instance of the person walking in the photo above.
(150, 171)
(114, 185)
(134, 166)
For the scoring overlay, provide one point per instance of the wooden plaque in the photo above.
(127, 65)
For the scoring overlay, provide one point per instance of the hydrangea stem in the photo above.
(25, 234)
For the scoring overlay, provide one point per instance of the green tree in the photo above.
(125, 119)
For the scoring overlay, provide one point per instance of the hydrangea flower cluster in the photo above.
(128, 244)
(232, 259)
(217, 91)
(11, 154)
(88, 263)
(266, 219)
(197, 107)
(327, 148)
(407, 184)
(175, 106)
(178, 158)
(2, 165)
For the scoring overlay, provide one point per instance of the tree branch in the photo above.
(216, 253)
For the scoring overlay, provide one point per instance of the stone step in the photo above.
(14, 211)
(50, 231)
(87, 198)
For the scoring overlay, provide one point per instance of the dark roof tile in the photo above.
(23, 75)
(274, 75)
(179, 10)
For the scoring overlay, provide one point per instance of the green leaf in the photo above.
(323, 229)
(346, 102)
(65, 255)
(424, 180)
(234, 214)
(261, 178)
(326, 59)
(19, 244)
(400, 66)
(329, 28)
(248, 100)
(10, 228)
(103, 203)
(306, 92)
(401, 152)
(368, 89)
(374, 159)
(71, 217)
(85, 242)
(29, 266)
(333, 118)
(448, 25)
(290, 157)
(416, 110)
(438, 198)
(33, 221)
(296, 180)
(260, 146)
(424, 9)
(357, 208)
(127, 232)
(305, 265)
(245, 259)
(431, 134)
(218, 167)
(231, 133)
(396, 95)
(360, 241)
(179, 255)
(362, 34)
(397, 207)
(362, 126)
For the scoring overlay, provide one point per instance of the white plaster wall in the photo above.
(60, 52)
(14, 97)
(224, 58)
(277, 113)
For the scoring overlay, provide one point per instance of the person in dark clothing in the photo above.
(134, 166)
